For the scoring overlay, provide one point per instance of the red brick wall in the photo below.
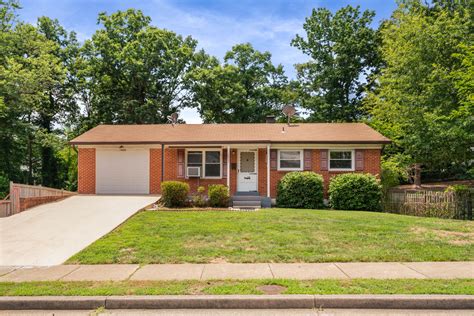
(87, 166)
(371, 165)
(26, 203)
(155, 170)
(86, 171)
(233, 171)
(171, 172)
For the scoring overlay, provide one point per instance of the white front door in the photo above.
(247, 171)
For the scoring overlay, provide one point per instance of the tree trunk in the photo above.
(417, 179)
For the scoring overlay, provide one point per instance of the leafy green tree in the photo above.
(244, 89)
(60, 109)
(28, 70)
(343, 52)
(37, 93)
(424, 100)
(8, 14)
(133, 72)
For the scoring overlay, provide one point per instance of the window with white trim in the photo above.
(213, 164)
(208, 160)
(290, 160)
(341, 160)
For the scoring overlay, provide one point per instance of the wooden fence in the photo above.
(23, 196)
(429, 203)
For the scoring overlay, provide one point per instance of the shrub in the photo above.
(355, 191)
(4, 186)
(300, 190)
(393, 173)
(198, 199)
(457, 188)
(218, 195)
(174, 193)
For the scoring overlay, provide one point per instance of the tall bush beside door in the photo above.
(218, 195)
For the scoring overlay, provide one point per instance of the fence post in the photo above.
(15, 198)
(469, 205)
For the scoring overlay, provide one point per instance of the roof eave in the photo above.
(227, 142)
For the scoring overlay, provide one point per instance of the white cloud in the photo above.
(217, 33)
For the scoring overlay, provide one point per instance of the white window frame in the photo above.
(291, 169)
(203, 168)
(352, 168)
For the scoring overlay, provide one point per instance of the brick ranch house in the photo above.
(135, 159)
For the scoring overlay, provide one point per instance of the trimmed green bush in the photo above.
(218, 195)
(355, 191)
(174, 193)
(300, 190)
(199, 200)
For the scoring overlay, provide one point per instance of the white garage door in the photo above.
(122, 172)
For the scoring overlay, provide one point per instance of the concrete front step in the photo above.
(252, 193)
(247, 198)
(247, 204)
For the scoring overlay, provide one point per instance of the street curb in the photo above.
(212, 302)
(51, 302)
(445, 302)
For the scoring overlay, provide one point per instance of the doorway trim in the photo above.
(255, 151)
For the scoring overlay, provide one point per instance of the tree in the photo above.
(424, 100)
(244, 89)
(60, 108)
(134, 73)
(343, 51)
(37, 97)
(28, 70)
(8, 14)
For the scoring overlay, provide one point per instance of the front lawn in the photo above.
(223, 287)
(281, 235)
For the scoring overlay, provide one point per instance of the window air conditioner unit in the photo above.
(193, 172)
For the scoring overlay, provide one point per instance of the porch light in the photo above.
(121, 148)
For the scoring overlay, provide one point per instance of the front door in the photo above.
(247, 171)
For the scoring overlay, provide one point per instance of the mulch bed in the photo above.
(200, 209)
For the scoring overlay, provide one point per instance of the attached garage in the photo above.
(122, 171)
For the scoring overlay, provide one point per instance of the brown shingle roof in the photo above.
(343, 133)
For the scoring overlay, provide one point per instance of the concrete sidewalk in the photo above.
(298, 271)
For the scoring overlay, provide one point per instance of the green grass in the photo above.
(281, 235)
(222, 287)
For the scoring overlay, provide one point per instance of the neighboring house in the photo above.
(135, 159)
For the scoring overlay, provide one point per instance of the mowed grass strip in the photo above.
(223, 287)
(281, 235)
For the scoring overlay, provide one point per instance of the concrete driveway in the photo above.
(51, 233)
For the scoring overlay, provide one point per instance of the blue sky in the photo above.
(217, 25)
